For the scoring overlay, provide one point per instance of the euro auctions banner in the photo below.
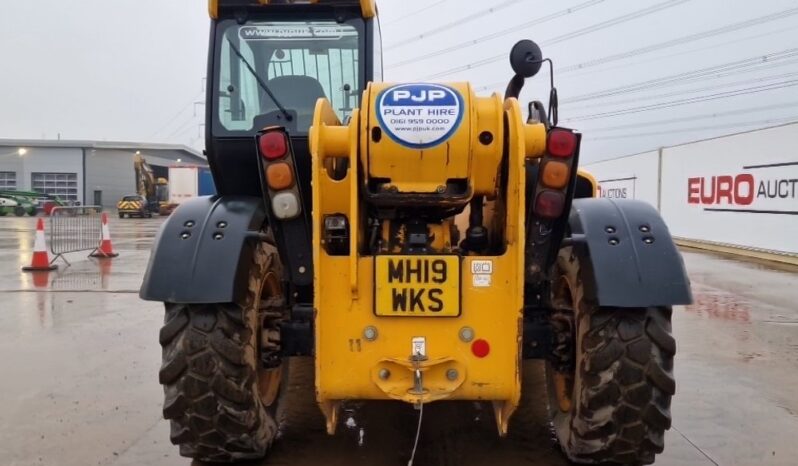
(740, 189)
(760, 189)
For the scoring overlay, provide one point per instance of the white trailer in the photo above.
(183, 184)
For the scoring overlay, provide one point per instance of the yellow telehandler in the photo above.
(418, 241)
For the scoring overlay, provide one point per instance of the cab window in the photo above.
(270, 72)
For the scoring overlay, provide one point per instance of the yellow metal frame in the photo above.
(590, 179)
(367, 7)
(355, 349)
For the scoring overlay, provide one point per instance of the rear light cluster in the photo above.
(279, 174)
(561, 143)
(273, 145)
(556, 169)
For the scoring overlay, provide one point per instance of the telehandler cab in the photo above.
(417, 240)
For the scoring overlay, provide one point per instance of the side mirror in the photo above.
(526, 58)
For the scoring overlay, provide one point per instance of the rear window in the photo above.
(131, 198)
(297, 62)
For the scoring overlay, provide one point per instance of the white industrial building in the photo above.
(85, 172)
(734, 193)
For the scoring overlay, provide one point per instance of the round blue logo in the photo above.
(420, 116)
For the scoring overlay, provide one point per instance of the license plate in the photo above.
(417, 286)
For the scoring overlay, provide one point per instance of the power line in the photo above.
(681, 40)
(458, 22)
(616, 21)
(571, 35)
(183, 127)
(683, 52)
(699, 89)
(680, 102)
(688, 76)
(559, 72)
(741, 111)
(172, 120)
(697, 128)
(494, 35)
(414, 13)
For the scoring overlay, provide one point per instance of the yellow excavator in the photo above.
(416, 240)
(154, 190)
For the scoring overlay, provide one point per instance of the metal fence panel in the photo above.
(74, 229)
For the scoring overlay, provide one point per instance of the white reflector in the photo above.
(285, 205)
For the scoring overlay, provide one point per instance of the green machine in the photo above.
(20, 203)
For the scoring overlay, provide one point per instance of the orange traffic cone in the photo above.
(106, 249)
(41, 259)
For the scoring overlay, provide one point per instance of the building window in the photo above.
(63, 185)
(8, 181)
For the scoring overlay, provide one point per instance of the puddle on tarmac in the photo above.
(719, 304)
(13, 244)
(91, 275)
(82, 275)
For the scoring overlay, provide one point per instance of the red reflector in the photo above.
(480, 348)
(273, 145)
(562, 143)
(549, 204)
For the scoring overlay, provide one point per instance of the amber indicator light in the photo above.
(279, 176)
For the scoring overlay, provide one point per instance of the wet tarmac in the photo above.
(80, 359)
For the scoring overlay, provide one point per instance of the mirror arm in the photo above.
(514, 87)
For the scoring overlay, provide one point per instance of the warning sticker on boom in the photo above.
(420, 115)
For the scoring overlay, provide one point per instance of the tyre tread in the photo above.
(624, 379)
(210, 379)
(630, 390)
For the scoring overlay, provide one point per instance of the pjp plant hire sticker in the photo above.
(420, 116)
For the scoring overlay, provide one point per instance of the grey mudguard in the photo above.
(630, 253)
(202, 252)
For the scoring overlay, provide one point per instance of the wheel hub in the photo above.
(272, 314)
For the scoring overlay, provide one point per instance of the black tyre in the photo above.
(19, 211)
(610, 381)
(222, 372)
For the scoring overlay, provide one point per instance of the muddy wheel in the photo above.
(610, 380)
(222, 372)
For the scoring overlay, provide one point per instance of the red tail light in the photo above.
(480, 348)
(549, 204)
(561, 143)
(273, 145)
